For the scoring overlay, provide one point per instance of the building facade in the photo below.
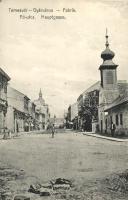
(32, 116)
(105, 102)
(74, 116)
(18, 111)
(42, 112)
(4, 78)
(88, 103)
(117, 113)
(113, 106)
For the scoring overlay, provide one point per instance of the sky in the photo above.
(61, 56)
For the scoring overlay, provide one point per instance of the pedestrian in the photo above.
(53, 130)
(113, 128)
(9, 134)
(6, 132)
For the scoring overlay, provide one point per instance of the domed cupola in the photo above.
(108, 67)
(107, 55)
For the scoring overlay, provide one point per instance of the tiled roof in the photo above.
(109, 97)
(122, 87)
(95, 86)
(122, 99)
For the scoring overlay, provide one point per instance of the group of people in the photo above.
(8, 135)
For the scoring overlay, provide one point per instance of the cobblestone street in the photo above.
(77, 157)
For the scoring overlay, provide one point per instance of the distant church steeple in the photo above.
(40, 94)
(41, 98)
(108, 68)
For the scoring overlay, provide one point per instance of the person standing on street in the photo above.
(113, 128)
(6, 132)
(53, 130)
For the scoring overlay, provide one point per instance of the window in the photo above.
(121, 119)
(5, 88)
(117, 120)
(111, 119)
(106, 125)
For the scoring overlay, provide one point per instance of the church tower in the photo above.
(108, 70)
(41, 98)
(40, 94)
(109, 86)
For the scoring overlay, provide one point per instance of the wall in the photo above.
(10, 118)
(15, 99)
(109, 77)
(120, 129)
(3, 102)
(74, 111)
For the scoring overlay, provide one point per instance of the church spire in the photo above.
(40, 93)
(107, 54)
(107, 43)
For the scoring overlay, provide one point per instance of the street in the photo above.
(69, 155)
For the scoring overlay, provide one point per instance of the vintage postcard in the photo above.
(63, 99)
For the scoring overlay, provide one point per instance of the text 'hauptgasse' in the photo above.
(41, 13)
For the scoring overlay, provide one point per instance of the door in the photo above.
(106, 125)
(101, 124)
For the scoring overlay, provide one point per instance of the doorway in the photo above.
(101, 124)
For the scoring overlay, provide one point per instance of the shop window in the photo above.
(121, 119)
(117, 120)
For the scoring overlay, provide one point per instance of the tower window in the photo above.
(109, 77)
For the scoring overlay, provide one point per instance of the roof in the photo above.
(10, 89)
(4, 74)
(26, 97)
(122, 99)
(122, 86)
(108, 64)
(19, 111)
(110, 96)
(95, 86)
(107, 54)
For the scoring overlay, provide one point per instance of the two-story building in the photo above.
(88, 103)
(32, 116)
(4, 78)
(18, 111)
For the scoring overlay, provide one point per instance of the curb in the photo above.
(106, 138)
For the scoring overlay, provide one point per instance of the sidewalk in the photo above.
(19, 134)
(105, 137)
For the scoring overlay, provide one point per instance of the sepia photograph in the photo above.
(63, 100)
